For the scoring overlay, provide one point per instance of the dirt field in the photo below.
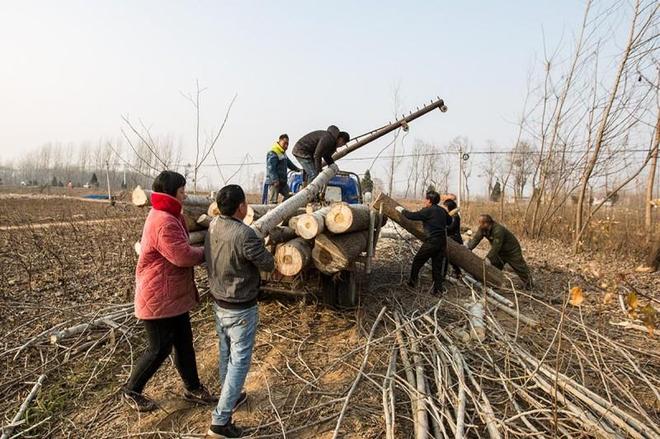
(307, 355)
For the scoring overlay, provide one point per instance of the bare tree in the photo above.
(522, 161)
(622, 107)
(491, 166)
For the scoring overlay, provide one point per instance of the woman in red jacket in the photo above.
(165, 292)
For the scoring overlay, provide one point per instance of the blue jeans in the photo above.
(236, 330)
(309, 167)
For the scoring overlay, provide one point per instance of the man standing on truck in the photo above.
(234, 255)
(504, 248)
(435, 220)
(315, 147)
(277, 164)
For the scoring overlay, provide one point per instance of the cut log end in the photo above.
(291, 257)
(140, 197)
(339, 218)
(213, 209)
(307, 226)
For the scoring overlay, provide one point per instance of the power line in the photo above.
(428, 154)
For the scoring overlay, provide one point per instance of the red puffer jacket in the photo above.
(164, 279)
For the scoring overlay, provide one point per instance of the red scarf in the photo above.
(169, 204)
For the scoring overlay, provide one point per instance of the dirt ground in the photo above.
(307, 354)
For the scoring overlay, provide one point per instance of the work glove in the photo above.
(399, 209)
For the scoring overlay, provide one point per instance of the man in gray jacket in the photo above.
(234, 255)
(315, 147)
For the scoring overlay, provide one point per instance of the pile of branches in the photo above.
(577, 384)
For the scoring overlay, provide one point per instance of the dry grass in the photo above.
(307, 355)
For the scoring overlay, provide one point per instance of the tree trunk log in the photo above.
(332, 254)
(191, 214)
(142, 197)
(456, 253)
(255, 211)
(346, 218)
(310, 225)
(204, 220)
(213, 209)
(652, 263)
(288, 208)
(291, 257)
(197, 237)
(280, 234)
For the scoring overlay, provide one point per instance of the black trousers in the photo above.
(456, 268)
(163, 335)
(434, 249)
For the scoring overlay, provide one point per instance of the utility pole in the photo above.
(460, 176)
(107, 179)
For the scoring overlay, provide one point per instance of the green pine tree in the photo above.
(367, 183)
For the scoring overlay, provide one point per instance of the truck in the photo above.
(345, 186)
(342, 289)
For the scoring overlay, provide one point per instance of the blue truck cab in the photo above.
(345, 186)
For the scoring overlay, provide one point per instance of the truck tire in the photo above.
(340, 290)
(347, 290)
(328, 294)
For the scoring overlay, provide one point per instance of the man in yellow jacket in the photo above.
(277, 164)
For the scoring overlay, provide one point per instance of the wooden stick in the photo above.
(422, 421)
(359, 374)
(388, 395)
(513, 313)
(287, 208)
(9, 429)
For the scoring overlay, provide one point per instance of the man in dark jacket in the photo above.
(504, 248)
(435, 221)
(317, 146)
(453, 230)
(277, 164)
(234, 255)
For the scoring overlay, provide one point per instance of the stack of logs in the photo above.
(331, 238)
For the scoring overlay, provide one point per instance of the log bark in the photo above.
(191, 214)
(291, 257)
(288, 208)
(142, 197)
(197, 237)
(346, 218)
(310, 225)
(456, 253)
(280, 234)
(204, 220)
(332, 254)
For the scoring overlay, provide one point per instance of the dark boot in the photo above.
(229, 430)
(201, 395)
(138, 401)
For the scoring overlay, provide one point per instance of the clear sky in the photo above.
(70, 69)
